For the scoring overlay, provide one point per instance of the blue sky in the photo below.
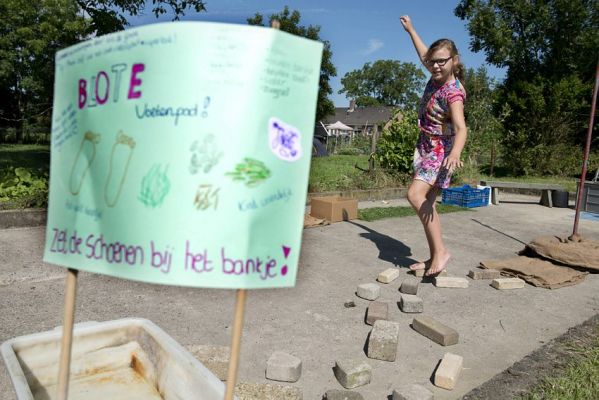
(359, 31)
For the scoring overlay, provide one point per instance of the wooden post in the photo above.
(375, 132)
(235, 343)
(64, 365)
(238, 319)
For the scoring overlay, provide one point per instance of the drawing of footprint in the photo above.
(205, 155)
(83, 160)
(154, 186)
(252, 172)
(122, 150)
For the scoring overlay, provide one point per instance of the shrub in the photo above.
(395, 148)
(23, 187)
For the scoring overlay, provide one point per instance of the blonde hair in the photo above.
(458, 67)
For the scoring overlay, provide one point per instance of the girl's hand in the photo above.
(452, 162)
(406, 22)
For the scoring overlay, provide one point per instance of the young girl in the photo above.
(442, 138)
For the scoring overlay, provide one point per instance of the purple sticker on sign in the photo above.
(284, 140)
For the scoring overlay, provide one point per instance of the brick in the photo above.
(335, 394)
(420, 273)
(448, 372)
(266, 391)
(451, 282)
(409, 285)
(410, 303)
(369, 291)
(481, 273)
(352, 373)
(283, 367)
(215, 358)
(412, 392)
(382, 344)
(435, 330)
(507, 283)
(388, 275)
(377, 310)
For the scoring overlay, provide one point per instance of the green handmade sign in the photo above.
(180, 154)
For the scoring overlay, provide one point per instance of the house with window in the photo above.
(354, 120)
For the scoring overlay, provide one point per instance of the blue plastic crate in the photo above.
(466, 196)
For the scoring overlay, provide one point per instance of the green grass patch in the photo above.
(578, 381)
(31, 156)
(338, 172)
(376, 213)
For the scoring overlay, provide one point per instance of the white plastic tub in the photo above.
(116, 360)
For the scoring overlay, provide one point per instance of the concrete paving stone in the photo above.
(335, 394)
(215, 358)
(267, 391)
(352, 373)
(388, 275)
(451, 282)
(419, 273)
(283, 367)
(369, 291)
(382, 344)
(412, 392)
(507, 283)
(435, 330)
(448, 372)
(483, 273)
(409, 285)
(377, 310)
(410, 303)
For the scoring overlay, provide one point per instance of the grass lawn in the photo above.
(32, 156)
(578, 381)
(567, 182)
(374, 213)
(338, 172)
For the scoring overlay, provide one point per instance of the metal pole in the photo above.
(587, 149)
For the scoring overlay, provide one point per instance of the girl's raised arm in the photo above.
(419, 45)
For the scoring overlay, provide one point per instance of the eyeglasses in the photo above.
(439, 61)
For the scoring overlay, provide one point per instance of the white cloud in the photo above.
(373, 45)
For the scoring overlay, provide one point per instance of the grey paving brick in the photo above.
(352, 373)
(283, 367)
(507, 283)
(482, 273)
(435, 330)
(388, 275)
(448, 372)
(412, 392)
(382, 344)
(369, 291)
(410, 303)
(335, 394)
(409, 285)
(377, 310)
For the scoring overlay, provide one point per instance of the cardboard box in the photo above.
(334, 208)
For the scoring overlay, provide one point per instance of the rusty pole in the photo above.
(587, 149)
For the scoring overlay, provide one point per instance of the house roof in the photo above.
(360, 116)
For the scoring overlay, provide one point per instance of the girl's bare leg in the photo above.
(422, 197)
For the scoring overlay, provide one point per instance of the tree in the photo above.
(484, 127)
(386, 82)
(549, 48)
(290, 23)
(30, 34)
(108, 16)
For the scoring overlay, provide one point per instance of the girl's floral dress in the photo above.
(436, 132)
